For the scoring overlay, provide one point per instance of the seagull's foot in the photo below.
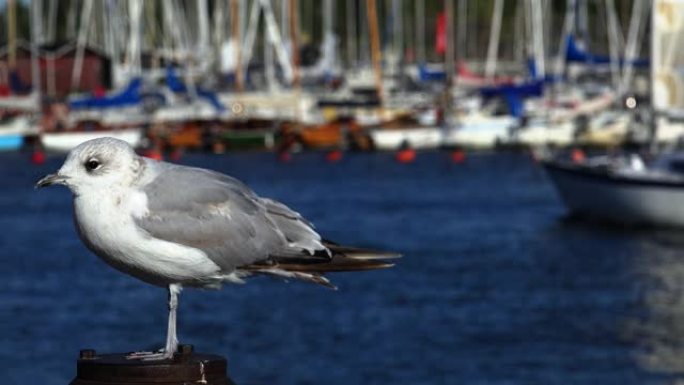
(160, 355)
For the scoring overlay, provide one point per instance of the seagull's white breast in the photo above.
(105, 222)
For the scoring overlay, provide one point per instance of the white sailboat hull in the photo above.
(416, 138)
(65, 141)
(558, 134)
(480, 132)
(629, 200)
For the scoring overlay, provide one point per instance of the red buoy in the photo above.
(153, 154)
(406, 155)
(284, 156)
(458, 156)
(334, 156)
(578, 156)
(38, 157)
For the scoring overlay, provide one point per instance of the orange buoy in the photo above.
(578, 156)
(38, 157)
(406, 155)
(153, 154)
(458, 156)
(334, 156)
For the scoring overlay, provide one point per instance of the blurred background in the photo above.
(524, 157)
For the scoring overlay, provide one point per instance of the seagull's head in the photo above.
(96, 165)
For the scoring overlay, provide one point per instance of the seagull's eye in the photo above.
(92, 164)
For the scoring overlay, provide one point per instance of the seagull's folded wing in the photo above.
(224, 218)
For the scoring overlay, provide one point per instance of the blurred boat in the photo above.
(415, 137)
(20, 103)
(404, 131)
(571, 117)
(667, 77)
(607, 129)
(332, 135)
(184, 135)
(64, 141)
(478, 124)
(477, 130)
(541, 131)
(14, 130)
(622, 192)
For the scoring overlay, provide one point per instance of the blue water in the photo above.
(495, 287)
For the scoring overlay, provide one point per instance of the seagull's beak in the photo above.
(50, 179)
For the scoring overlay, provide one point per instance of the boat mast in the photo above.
(397, 32)
(235, 6)
(449, 58)
(328, 57)
(191, 53)
(52, 21)
(494, 35)
(568, 26)
(362, 44)
(631, 50)
(250, 33)
(351, 34)
(219, 29)
(420, 31)
(462, 31)
(538, 37)
(81, 43)
(36, 33)
(376, 57)
(12, 33)
(294, 42)
(276, 41)
(269, 65)
(613, 41)
(135, 35)
(203, 26)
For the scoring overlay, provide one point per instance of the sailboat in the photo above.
(667, 65)
(630, 190)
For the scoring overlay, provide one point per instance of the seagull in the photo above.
(175, 226)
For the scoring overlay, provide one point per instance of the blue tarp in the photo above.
(176, 85)
(429, 75)
(129, 96)
(173, 82)
(514, 94)
(573, 53)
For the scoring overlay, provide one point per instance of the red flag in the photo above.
(440, 36)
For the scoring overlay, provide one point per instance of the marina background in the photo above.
(359, 75)
(421, 127)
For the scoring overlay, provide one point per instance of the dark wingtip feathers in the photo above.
(312, 269)
(343, 259)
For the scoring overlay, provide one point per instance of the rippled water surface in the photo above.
(494, 287)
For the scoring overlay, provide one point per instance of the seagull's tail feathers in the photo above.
(343, 258)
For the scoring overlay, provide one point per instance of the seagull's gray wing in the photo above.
(224, 218)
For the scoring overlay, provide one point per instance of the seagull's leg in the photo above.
(171, 338)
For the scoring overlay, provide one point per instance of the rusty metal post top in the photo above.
(185, 367)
